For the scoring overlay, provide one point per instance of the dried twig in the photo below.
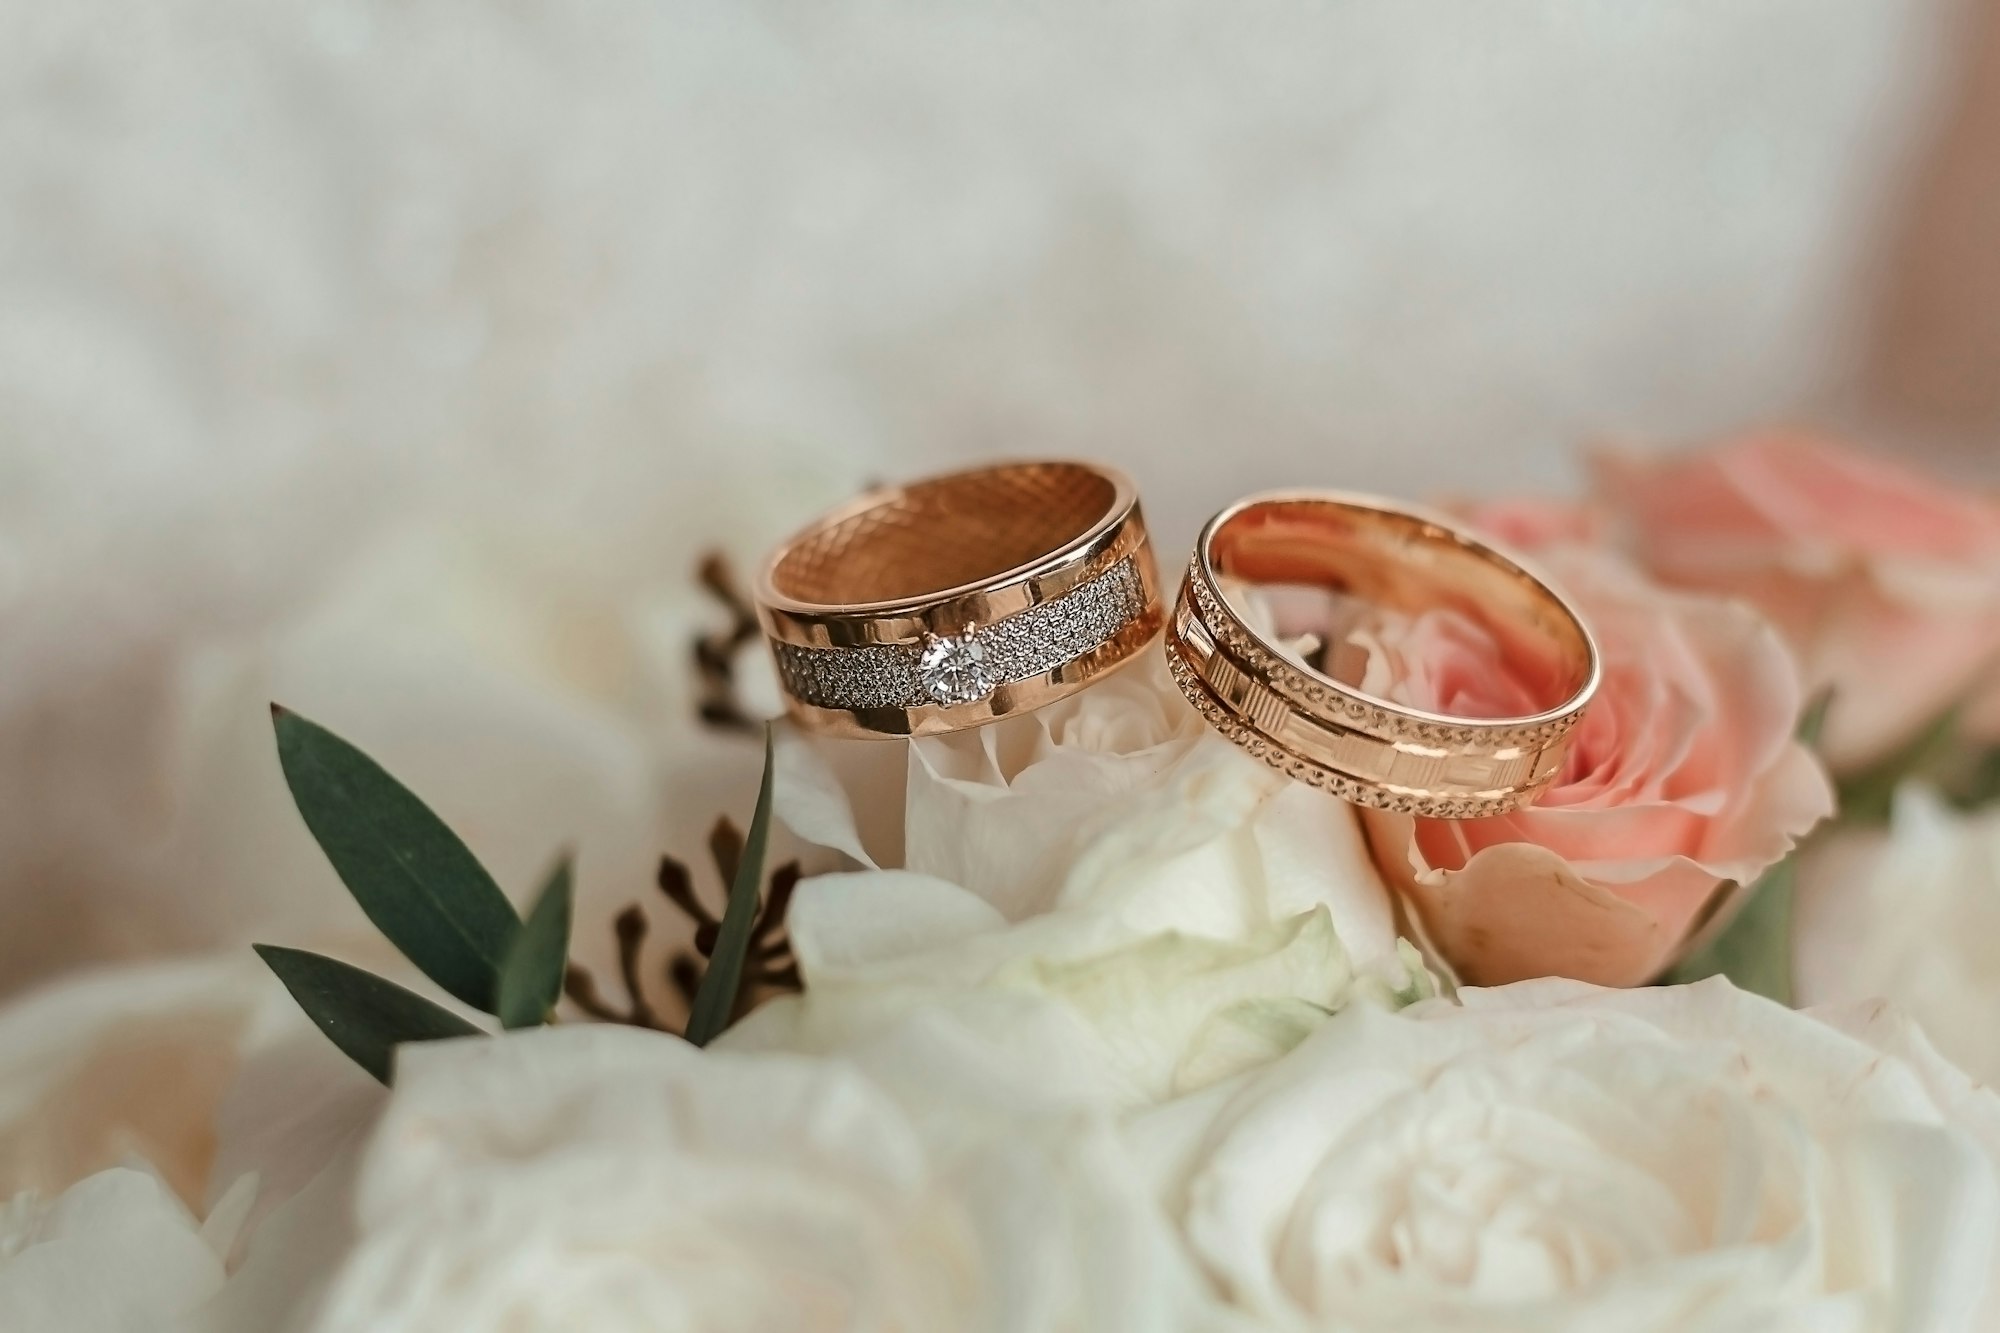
(582, 990)
(716, 653)
(675, 882)
(770, 966)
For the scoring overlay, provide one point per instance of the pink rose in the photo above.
(1683, 776)
(1534, 522)
(1886, 583)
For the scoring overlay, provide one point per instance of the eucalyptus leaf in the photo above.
(715, 1000)
(1867, 796)
(531, 977)
(1755, 949)
(419, 884)
(1812, 722)
(365, 1016)
(1979, 786)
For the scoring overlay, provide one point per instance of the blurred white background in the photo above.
(395, 359)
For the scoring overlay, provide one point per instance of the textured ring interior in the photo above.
(1409, 562)
(942, 534)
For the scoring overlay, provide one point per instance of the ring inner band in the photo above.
(1406, 562)
(947, 533)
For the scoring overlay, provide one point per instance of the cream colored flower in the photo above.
(202, 1069)
(1553, 1156)
(610, 1179)
(128, 1062)
(1911, 914)
(1183, 907)
(114, 1253)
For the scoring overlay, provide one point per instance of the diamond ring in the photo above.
(954, 601)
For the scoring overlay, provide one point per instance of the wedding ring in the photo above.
(958, 600)
(1269, 700)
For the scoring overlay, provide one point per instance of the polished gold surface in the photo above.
(957, 600)
(1329, 733)
(943, 533)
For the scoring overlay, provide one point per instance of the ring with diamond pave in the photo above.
(1278, 697)
(958, 600)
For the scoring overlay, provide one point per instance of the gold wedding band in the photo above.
(1372, 751)
(958, 600)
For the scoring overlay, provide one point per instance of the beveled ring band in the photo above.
(957, 600)
(1272, 703)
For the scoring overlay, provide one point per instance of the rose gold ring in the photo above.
(1275, 703)
(958, 600)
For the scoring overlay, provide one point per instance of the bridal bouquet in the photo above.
(1086, 1020)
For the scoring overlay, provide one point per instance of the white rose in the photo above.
(1190, 909)
(1910, 914)
(607, 1178)
(130, 1061)
(204, 1069)
(1553, 1156)
(114, 1253)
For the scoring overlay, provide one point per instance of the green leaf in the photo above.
(1978, 785)
(1867, 796)
(416, 881)
(1755, 949)
(531, 978)
(1812, 722)
(364, 1015)
(715, 1000)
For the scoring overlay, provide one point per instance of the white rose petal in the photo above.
(1912, 915)
(613, 1179)
(1556, 1156)
(130, 1061)
(1106, 871)
(114, 1253)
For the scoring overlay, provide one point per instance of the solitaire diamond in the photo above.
(953, 669)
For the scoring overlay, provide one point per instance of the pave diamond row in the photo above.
(1044, 637)
(1026, 644)
(878, 676)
